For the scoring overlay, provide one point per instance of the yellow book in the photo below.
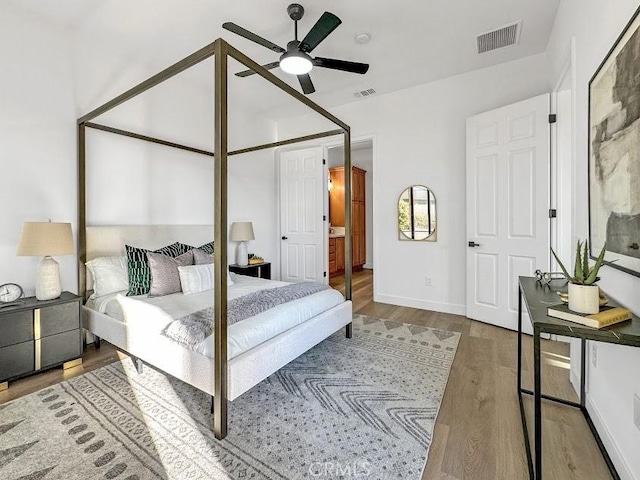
(607, 316)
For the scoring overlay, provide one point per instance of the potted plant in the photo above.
(584, 295)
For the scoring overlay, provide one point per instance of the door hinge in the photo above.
(324, 218)
(553, 213)
(324, 162)
(553, 118)
(325, 274)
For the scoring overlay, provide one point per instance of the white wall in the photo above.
(361, 156)
(611, 385)
(51, 77)
(419, 137)
(37, 135)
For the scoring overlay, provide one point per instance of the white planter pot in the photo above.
(584, 298)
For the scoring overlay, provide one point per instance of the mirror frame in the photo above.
(434, 235)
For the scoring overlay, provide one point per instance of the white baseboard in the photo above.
(368, 266)
(607, 439)
(422, 304)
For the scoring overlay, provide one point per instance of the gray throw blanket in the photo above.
(192, 329)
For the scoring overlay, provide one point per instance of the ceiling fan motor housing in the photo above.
(293, 45)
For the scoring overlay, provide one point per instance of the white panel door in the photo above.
(301, 216)
(507, 206)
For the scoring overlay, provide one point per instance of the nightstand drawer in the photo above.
(60, 348)
(259, 270)
(16, 327)
(59, 318)
(16, 360)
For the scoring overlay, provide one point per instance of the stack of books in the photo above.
(605, 317)
(256, 260)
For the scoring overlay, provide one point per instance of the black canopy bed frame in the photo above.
(221, 51)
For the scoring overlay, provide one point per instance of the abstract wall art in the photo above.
(614, 153)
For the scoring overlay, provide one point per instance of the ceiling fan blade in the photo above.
(326, 24)
(268, 66)
(345, 66)
(306, 84)
(232, 27)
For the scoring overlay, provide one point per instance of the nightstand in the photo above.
(39, 335)
(260, 270)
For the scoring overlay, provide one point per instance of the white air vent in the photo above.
(500, 37)
(364, 93)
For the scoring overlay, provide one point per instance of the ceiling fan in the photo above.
(296, 59)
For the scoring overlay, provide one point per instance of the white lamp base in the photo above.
(48, 280)
(242, 258)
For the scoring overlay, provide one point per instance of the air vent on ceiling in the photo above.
(500, 37)
(364, 93)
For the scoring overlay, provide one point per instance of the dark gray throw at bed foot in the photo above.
(192, 329)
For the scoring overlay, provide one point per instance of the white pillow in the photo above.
(109, 275)
(198, 278)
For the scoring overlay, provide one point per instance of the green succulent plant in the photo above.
(582, 273)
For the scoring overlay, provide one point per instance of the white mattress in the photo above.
(153, 314)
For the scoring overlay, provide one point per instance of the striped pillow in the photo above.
(207, 248)
(138, 266)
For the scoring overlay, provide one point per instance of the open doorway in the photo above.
(362, 213)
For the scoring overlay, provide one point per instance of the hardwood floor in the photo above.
(478, 434)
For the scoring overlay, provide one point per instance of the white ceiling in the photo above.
(412, 41)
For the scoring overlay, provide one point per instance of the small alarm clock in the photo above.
(10, 294)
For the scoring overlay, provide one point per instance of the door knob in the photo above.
(474, 244)
(285, 238)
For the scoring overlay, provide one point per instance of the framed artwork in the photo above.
(614, 153)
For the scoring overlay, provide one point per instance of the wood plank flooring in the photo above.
(478, 434)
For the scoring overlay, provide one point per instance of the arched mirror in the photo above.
(417, 214)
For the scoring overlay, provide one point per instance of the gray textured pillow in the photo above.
(200, 257)
(165, 277)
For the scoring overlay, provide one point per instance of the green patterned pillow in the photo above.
(138, 266)
(207, 248)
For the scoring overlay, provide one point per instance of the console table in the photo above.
(536, 299)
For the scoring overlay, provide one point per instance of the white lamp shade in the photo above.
(242, 231)
(42, 239)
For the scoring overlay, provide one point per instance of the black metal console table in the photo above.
(537, 298)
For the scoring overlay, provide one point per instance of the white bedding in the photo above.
(152, 315)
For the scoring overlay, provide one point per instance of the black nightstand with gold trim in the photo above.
(259, 270)
(39, 335)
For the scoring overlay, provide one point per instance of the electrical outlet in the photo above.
(636, 411)
(427, 281)
(594, 355)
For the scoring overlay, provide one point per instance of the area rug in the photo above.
(348, 408)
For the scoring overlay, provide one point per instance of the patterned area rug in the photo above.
(349, 408)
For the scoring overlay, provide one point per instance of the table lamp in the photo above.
(242, 232)
(46, 239)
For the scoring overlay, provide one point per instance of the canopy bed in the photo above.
(230, 373)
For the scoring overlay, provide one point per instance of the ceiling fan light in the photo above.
(296, 62)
